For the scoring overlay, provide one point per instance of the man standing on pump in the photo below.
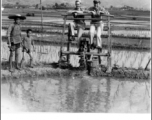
(15, 40)
(79, 24)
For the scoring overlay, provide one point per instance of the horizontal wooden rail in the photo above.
(86, 19)
(127, 16)
(117, 36)
(52, 23)
(131, 23)
(86, 53)
(87, 14)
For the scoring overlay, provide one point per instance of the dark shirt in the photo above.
(14, 32)
(79, 16)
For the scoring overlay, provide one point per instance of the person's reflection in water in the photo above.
(13, 85)
(108, 88)
(70, 95)
(11, 88)
(27, 94)
(82, 96)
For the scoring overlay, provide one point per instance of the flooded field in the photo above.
(73, 94)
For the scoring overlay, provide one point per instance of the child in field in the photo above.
(27, 43)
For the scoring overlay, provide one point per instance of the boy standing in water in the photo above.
(27, 43)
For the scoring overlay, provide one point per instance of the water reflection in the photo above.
(69, 94)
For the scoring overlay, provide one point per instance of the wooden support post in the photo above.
(109, 47)
(62, 39)
(147, 64)
(68, 49)
(41, 46)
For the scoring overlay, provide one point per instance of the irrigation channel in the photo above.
(47, 88)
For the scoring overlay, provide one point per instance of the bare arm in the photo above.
(90, 10)
(104, 11)
(75, 12)
(32, 43)
(21, 33)
(9, 35)
(23, 42)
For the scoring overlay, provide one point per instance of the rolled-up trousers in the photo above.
(96, 28)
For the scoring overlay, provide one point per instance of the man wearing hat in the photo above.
(96, 25)
(79, 24)
(14, 40)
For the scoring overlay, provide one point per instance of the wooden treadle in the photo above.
(86, 53)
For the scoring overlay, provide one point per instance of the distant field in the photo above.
(123, 26)
(135, 15)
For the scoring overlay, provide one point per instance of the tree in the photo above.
(56, 5)
(37, 6)
(17, 3)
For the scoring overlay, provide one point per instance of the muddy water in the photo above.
(71, 94)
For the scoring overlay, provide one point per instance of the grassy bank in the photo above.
(54, 70)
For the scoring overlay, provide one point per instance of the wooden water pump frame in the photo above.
(85, 53)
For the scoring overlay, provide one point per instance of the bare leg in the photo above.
(10, 61)
(17, 53)
(22, 61)
(31, 60)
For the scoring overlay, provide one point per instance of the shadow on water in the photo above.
(71, 94)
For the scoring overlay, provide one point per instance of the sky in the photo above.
(106, 3)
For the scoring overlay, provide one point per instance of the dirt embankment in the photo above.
(54, 70)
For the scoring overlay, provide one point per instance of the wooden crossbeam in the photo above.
(87, 27)
(86, 19)
(87, 35)
(86, 53)
(87, 14)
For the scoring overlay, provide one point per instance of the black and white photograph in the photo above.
(76, 56)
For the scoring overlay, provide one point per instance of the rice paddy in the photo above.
(50, 53)
(72, 93)
(119, 33)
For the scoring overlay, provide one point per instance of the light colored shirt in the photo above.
(14, 32)
(97, 12)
